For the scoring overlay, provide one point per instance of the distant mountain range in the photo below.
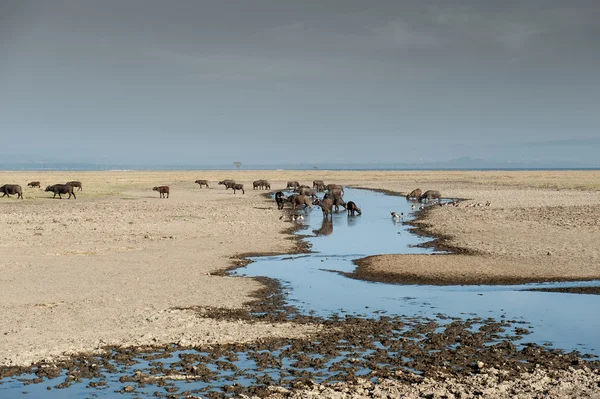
(464, 163)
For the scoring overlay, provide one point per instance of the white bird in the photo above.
(422, 206)
(397, 216)
(412, 207)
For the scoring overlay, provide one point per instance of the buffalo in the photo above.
(280, 199)
(307, 191)
(227, 183)
(162, 190)
(10, 189)
(61, 189)
(352, 208)
(331, 187)
(202, 183)
(238, 186)
(337, 199)
(262, 184)
(414, 194)
(34, 184)
(75, 184)
(326, 205)
(429, 195)
(297, 200)
(318, 185)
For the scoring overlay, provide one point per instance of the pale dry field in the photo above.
(112, 266)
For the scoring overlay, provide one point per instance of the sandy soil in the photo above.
(111, 266)
(528, 233)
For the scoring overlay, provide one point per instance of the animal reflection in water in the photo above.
(326, 228)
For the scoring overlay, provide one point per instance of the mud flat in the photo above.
(120, 268)
(530, 232)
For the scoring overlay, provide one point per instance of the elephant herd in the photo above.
(57, 189)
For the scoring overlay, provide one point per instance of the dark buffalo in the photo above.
(202, 183)
(162, 190)
(262, 184)
(292, 184)
(352, 208)
(11, 189)
(280, 199)
(337, 200)
(326, 205)
(430, 195)
(238, 186)
(227, 183)
(415, 194)
(61, 189)
(75, 184)
(34, 184)
(298, 200)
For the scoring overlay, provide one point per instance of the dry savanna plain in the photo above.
(120, 266)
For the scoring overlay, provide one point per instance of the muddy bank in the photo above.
(449, 354)
(571, 290)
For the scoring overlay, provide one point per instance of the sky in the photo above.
(272, 81)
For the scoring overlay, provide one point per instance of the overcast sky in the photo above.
(270, 81)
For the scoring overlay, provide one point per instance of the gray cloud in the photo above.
(374, 81)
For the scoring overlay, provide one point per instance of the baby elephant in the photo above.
(10, 189)
(162, 190)
(61, 189)
(352, 208)
(34, 184)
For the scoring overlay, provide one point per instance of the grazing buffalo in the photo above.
(430, 195)
(10, 189)
(337, 200)
(61, 189)
(202, 183)
(326, 205)
(318, 185)
(34, 184)
(414, 194)
(297, 200)
(292, 184)
(352, 208)
(238, 186)
(326, 228)
(227, 183)
(162, 190)
(75, 184)
(280, 199)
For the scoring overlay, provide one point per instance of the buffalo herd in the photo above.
(68, 188)
(302, 196)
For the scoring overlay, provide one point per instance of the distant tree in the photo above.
(237, 164)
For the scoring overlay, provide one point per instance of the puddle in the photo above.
(312, 285)
(567, 321)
